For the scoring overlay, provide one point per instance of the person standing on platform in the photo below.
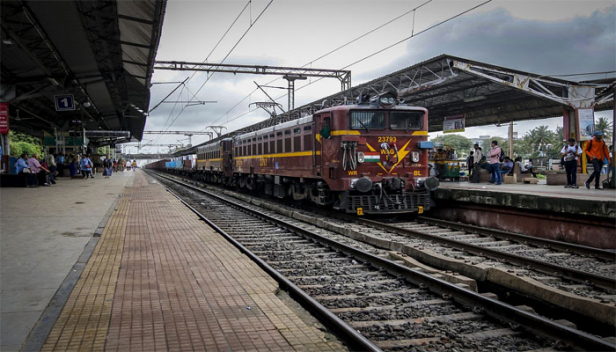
(60, 164)
(494, 156)
(477, 161)
(50, 160)
(134, 166)
(107, 165)
(570, 153)
(86, 167)
(469, 162)
(72, 166)
(596, 150)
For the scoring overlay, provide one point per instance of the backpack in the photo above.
(501, 158)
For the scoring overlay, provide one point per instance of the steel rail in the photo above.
(496, 309)
(558, 245)
(545, 267)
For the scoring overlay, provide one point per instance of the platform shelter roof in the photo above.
(484, 93)
(100, 52)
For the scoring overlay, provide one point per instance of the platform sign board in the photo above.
(64, 102)
(586, 123)
(453, 124)
(4, 118)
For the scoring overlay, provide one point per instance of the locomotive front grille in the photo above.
(392, 203)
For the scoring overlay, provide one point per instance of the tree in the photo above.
(23, 143)
(604, 125)
(461, 144)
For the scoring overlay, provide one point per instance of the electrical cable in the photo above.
(223, 60)
(385, 48)
(333, 51)
(165, 128)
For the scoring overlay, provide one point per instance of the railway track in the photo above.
(393, 306)
(578, 293)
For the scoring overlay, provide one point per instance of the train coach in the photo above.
(366, 158)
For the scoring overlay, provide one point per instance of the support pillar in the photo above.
(291, 79)
(613, 165)
(5, 138)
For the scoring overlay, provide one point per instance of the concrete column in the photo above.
(613, 166)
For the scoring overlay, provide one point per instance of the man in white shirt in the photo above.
(570, 153)
(477, 156)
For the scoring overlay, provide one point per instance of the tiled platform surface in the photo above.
(162, 280)
(608, 195)
(43, 232)
(542, 198)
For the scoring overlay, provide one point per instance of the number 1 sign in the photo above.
(64, 102)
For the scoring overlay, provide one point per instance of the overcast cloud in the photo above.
(572, 37)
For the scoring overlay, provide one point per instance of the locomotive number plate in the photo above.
(387, 139)
(263, 162)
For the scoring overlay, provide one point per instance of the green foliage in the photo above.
(22, 143)
(539, 142)
(604, 125)
(461, 144)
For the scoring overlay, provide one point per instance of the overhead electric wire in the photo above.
(225, 58)
(331, 52)
(381, 50)
(205, 60)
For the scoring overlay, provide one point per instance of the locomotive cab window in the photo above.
(369, 120)
(406, 120)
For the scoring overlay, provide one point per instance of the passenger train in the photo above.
(370, 157)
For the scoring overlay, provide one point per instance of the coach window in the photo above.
(254, 146)
(260, 146)
(308, 137)
(265, 145)
(297, 139)
(244, 151)
(368, 120)
(272, 150)
(278, 142)
(287, 141)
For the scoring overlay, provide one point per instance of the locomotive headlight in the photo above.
(388, 99)
(360, 157)
(415, 157)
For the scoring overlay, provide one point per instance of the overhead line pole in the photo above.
(289, 73)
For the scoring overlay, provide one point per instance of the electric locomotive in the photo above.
(370, 157)
(366, 158)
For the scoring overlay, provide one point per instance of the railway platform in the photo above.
(43, 234)
(574, 215)
(159, 279)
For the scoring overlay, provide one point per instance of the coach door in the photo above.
(323, 131)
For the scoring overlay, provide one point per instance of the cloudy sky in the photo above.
(540, 36)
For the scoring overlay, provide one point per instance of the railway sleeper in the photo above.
(440, 319)
(433, 302)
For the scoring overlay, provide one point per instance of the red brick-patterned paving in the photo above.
(180, 287)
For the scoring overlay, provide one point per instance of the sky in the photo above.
(547, 37)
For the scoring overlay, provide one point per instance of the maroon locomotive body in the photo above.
(370, 157)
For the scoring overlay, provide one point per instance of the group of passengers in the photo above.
(34, 171)
(496, 164)
(499, 165)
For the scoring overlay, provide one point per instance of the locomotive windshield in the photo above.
(370, 120)
(406, 120)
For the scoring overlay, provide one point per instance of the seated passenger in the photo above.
(507, 166)
(20, 165)
(528, 169)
